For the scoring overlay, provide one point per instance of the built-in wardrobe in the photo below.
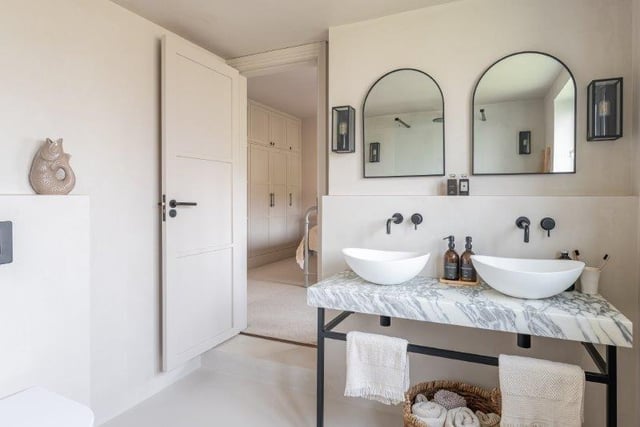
(275, 186)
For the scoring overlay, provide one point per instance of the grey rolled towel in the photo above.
(449, 399)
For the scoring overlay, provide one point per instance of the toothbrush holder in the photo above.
(589, 280)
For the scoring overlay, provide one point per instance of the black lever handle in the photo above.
(173, 203)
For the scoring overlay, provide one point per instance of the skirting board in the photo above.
(277, 255)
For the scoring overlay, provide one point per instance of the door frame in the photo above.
(279, 60)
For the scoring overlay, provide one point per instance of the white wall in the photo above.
(417, 150)
(44, 296)
(497, 139)
(89, 72)
(309, 163)
(594, 225)
(455, 43)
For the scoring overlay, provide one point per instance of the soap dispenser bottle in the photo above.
(565, 255)
(451, 260)
(467, 272)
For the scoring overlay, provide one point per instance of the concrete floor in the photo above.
(252, 382)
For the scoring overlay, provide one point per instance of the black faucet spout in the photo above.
(523, 223)
(396, 219)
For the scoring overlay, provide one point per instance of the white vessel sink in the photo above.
(385, 267)
(527, 278)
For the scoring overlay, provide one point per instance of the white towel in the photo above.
(430, 413)
(488, 420)
(462, 417)
(313, 245)
(377, 367)
(540, 392)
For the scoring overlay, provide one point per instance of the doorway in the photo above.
(286, 108)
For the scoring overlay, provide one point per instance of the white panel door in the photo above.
(258, 124)
(278, 131)
(204, 200)
(294, 135)
(259, 199)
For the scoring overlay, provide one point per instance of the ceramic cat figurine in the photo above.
(50, 171)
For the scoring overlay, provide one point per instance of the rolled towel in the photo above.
(488, 420)
(430, 413)
(461, 417)
(449, 399)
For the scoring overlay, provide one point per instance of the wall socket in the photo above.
(6, 242)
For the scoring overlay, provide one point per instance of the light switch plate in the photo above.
(6, 242)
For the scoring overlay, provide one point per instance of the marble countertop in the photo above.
(569, 315)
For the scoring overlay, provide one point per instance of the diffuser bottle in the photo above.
(451, 260)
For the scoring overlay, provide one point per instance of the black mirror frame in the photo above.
(575, 119)
(364, 140)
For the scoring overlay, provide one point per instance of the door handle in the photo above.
(290, 199)
(272, 200)
(173, 203)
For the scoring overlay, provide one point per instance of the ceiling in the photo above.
(293, 91)
(233, 28)
(404, 91)
(524, 76)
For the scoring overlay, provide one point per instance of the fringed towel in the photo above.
(377, 367)
(540, 392)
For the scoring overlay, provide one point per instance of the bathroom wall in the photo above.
(636, 135)
(309, 163)
(497, 138)
(455, 43)
(89, 72)
(44, 296)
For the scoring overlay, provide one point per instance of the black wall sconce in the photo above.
(374, 152)
(604, 110)
(343, 139)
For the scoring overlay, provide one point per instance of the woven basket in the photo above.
(478, 398)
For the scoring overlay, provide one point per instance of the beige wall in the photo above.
(88, 71)
(454, 43)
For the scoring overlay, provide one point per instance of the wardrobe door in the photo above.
(278, 131)
(259, 200)
(258, 124)
(278, 199)
(294, 135)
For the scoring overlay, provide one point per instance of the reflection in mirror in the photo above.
(403, 126)
(524, 117)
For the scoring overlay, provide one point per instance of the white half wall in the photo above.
(44, 296)
(89, 72)
(594, 225)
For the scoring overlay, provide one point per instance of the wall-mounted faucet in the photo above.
(524, 223)
(396, 219)
(416, 220)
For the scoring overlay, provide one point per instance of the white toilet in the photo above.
(37, 407)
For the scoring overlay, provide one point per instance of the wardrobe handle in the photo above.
(290, 199)
(272, 201)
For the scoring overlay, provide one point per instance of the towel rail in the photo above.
(608, 368)
(311, 211)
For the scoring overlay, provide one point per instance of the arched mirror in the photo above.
(524, 117)
(403, 126)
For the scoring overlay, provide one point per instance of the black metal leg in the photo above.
(612, 386)
(320, 371)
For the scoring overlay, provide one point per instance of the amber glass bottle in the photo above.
(467, 272)
(451, 260)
